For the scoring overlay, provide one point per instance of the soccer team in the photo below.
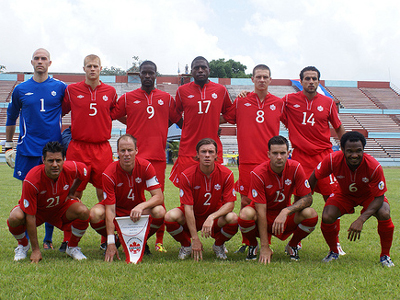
(54, 179)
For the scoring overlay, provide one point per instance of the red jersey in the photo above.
(308, 121)
(42, 195)
(201, 109)
(90, 111)
(366, 181)
(147, 120)
(206, 195)
(257, 122)
(268, 187)
(127, 190)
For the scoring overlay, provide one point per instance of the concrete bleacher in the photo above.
(6, 88)
(276, 90)
(351, 97)
(383, 98)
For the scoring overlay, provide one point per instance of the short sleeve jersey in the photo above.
(39, 108)
(366, 181)
(206, 195)
(127, 190)
(201, 109)
(268, 187)
(308, 121)
(147, 120)
(90, 111)
(257, 122)
(42, 195)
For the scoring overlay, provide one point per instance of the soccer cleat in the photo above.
(386, 261)
(103, 246)
(184, 252)
(241, 249)
(160, 247)
(147, 250)
(252, 254)
(299, 246)
(293, 252)
(75, 253)
(48, 245)
(220, 251)
(340, 250)
(21, 252)
(63, 247)
(331, 256)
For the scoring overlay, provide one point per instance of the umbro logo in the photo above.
(80, 96)
(136, 102)
(191, 96)
(28, 94)
(120, 184)
(247, 104)
(296, 106)
(196, 187)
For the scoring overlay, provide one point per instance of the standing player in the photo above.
(207, 200)
(38, 102)
(271, 211)
(360, 182)
(124, 183)
(90, 103)
(148, 111)
(47, 196)
(200, 103)
(257, 117)
(307, 115)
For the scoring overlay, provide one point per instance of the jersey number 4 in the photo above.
(309, 120)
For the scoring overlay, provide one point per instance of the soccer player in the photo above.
(200, 103)
(307, 115)
(360, 182)
(271, 212)
(124, 183)
(90, 102)
(148, 111)
(207, 197)
(257, 117)
(48, 196)
(38, 103)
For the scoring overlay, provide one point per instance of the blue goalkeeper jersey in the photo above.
(39, 107)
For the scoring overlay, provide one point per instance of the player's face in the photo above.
(148, 75)
(261, 80)
(41, 61)
(53, 164)
(278, 156)
(207, 155)
(127, 152)
(310, 81)
(353, 152)
(92, 69)
(200, 71)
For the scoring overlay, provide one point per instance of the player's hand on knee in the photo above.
(136, 213)
(207, 228)
(36, 256)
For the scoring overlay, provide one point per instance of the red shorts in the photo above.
(97, 157)
(243, 183)
(160, 166)
(309, 163)
(347, 203)
(181, 164)
(199, 224)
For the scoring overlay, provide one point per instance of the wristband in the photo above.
(110, 239)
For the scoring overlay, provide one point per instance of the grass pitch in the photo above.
(357, 275)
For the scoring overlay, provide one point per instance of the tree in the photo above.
(227, 69)
(112, 71)
(2, 68)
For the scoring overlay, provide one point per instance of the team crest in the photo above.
(272, 107)
(320, 108)
(105, 98)
(26, 203)
(381, 185)
(160, 102)
(217, 187)
(241, 187)
(288, 182)
(66, 187)
(181, 193)
(365, 180)
(254, 193)
(138, 180)
(307, 184)
(214, 95)
(53, 93)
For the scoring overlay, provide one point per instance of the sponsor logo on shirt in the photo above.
(160, 102)
(191, 96)
(80, 96)
(53, 93)
(196, 187)
(254, 193)
(26, 203)
(217, 187)
(381, 185)
(288, 182)
(120, 184)
(296, 106)
(105, 98)
(341, 177)
(28, 94)
(138, 180)
(365, 179)
(181, 193)
(247, 104)
(214, 95)
(269, 186)
(307, 184)
(136, 102)
(43, 192)
(272, 107)
(66, 187)
(319, 166)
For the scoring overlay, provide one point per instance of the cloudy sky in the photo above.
(347, 40)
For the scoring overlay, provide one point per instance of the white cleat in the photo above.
(386, 261)
(75, 253)
(340, 250)
(21, 252)
(220, 251)
(184, 252)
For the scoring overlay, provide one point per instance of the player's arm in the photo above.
(265, 250)
(72, 190)
(110, 228)
(36, 255)
(197, 246)
(209, 222)
(357, 225)
(10, 131)
(312, 181)
(9, 146)
(156, 198)
(340, 131)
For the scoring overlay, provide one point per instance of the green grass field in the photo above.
(357, 275)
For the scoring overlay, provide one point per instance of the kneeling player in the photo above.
(270, 212)
(360, 182)
(207, 200)
(47, 196)
(124, 183)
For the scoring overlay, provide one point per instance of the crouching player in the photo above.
(360, 182)
(124, 183)
(270, 212)
(47, 196)
(207, 200)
